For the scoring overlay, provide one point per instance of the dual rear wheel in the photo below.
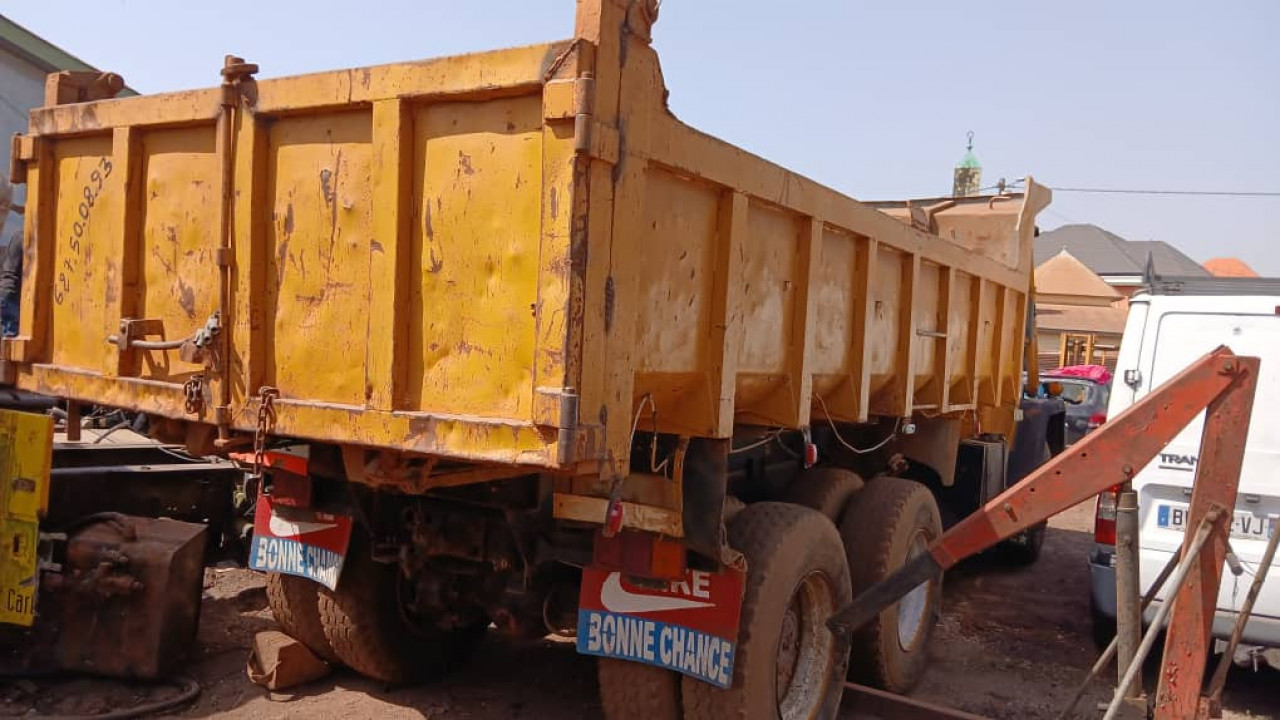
(806, 559)
(788, 664)
(363, 623)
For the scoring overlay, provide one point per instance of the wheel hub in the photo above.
(805, 648)
(913, 608)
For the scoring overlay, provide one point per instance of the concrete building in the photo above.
(25, 60)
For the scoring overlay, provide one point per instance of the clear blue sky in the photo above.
(872, 98)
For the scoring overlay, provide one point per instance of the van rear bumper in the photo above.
(1260, 630)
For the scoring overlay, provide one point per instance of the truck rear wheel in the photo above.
(635, 691)
(825, 489)
(788, 664)
(294, 601)
(891, 521)
(1023, 548)
(371, 632)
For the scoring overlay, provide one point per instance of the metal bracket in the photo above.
(137, 328)
(558, 408)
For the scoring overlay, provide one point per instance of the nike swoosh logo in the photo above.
(618, 599)
(290, 528)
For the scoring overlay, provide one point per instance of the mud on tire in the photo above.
(295, 603)
(367, 629)
(825, 489)
(635, 691)
(796, 578)
(890, 521)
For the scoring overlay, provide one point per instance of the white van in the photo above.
(1168, 328)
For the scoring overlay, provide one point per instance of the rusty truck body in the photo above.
(502, 340)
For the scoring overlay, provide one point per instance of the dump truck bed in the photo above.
(502, 258)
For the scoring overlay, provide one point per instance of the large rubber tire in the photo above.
(295, 603)
(1023, 548)
(635, 691)
(891, 520)
(793, 554)
(368, 630)
(825, 489)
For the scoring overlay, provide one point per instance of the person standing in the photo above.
(10, 284)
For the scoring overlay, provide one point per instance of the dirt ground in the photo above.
(1013, 643)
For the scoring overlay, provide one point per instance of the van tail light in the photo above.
(1096, 419)
(1104, 517)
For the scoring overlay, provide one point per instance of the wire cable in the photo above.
(1202, 193)
(768, 438)
(842, 441)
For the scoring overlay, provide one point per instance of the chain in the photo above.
(193, 394)
(266, 420)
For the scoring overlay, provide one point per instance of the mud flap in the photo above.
(689, 626)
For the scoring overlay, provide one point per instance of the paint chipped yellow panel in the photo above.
(675, 277)
(177, 283)
(474, 282)
(83, 233)
(321, 240)
(437, 257)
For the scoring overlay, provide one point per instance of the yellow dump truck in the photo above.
(502, 341)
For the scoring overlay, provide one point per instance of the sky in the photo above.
(871, 98)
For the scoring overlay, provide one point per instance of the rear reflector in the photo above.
(1096, 420)
(640, 554)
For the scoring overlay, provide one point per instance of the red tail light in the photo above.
(1104, 517)
(1096, 419)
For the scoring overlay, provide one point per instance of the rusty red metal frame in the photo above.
(1220, 383)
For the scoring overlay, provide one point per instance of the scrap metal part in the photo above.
(123, 601)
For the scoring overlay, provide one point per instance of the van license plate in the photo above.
(1245, 525)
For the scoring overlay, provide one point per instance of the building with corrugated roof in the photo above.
(1229, 267)
(1122, 264)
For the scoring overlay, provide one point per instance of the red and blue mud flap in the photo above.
(299, 541)
(689, 626)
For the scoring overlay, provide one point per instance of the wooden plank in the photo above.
(389, 256)
(634, 515)
(122, 244)
(726, 329)
(883, 705)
